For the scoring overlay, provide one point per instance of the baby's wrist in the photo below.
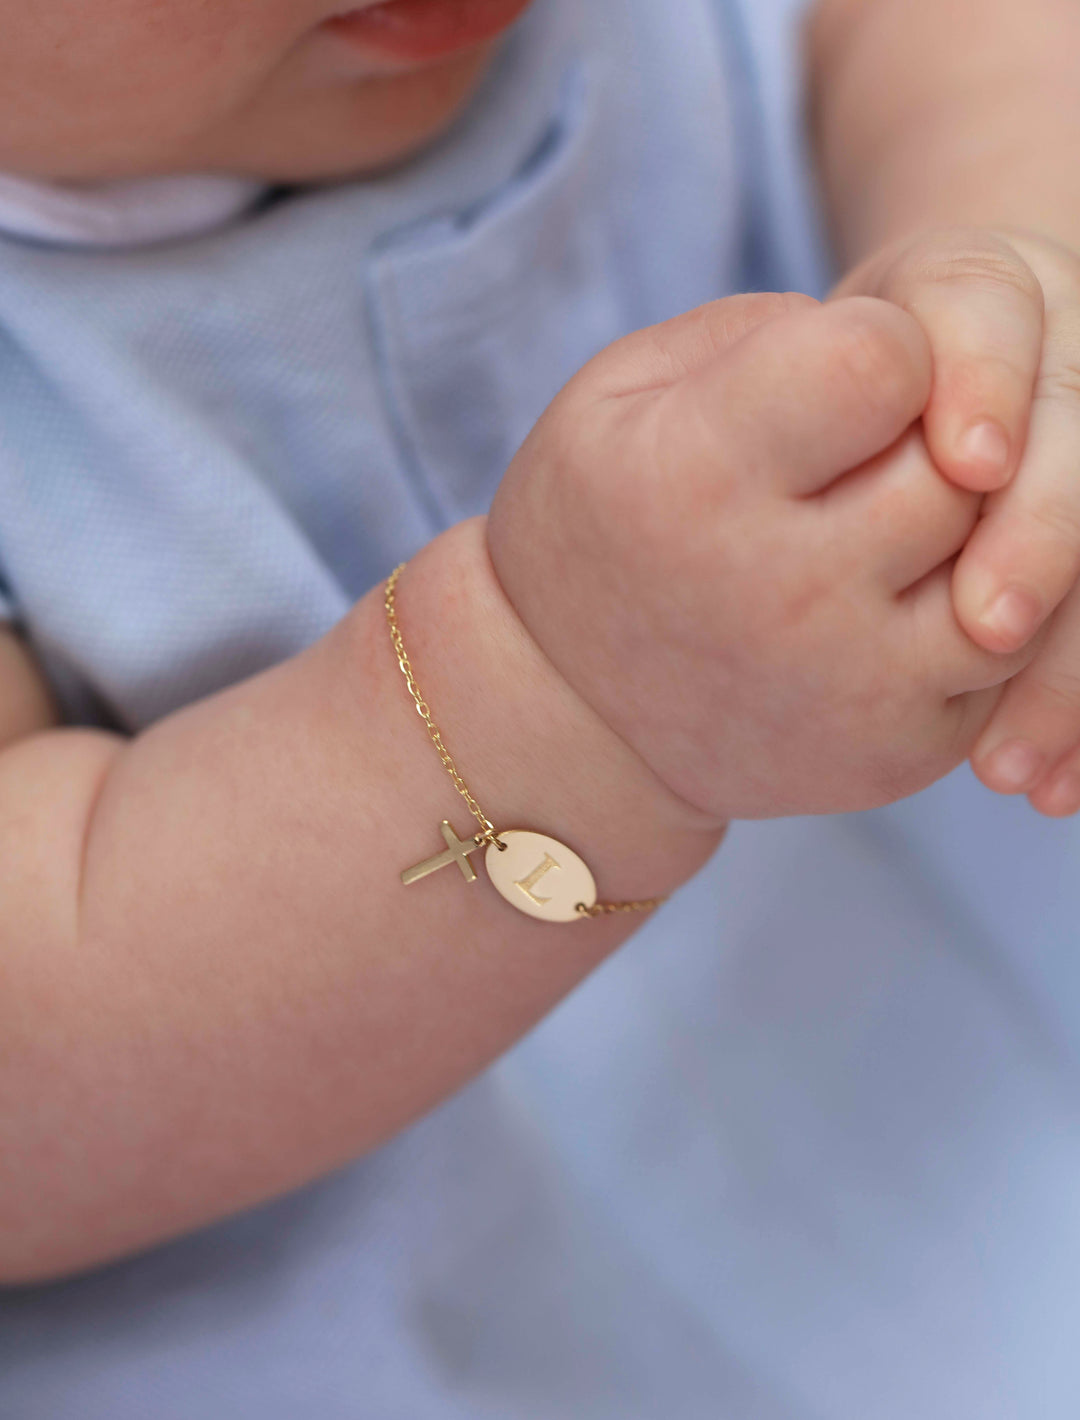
(533, 752)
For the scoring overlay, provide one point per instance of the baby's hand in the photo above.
(730, 539)
(1002, 313)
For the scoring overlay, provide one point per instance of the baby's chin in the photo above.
(331, 132)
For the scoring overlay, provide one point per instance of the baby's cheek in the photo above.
(120, 86)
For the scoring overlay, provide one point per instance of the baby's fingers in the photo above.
(981, 307)
(1032, 744)
(1024, 556)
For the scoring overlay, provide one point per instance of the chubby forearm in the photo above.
(216, 986)
(931, 112)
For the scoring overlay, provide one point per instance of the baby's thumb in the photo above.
(660, 355)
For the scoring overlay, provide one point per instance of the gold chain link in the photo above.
(600, 909)
(488, 835)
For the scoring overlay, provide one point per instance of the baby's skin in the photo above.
(750, 562)
(729, 536)
(1001, 310)
(714, 583)
(302, 90)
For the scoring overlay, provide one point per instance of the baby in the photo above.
(768, 556)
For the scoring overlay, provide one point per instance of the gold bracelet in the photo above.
(517, 859)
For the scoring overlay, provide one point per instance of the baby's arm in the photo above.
(712, 585)
(215, 985)
(942, 112)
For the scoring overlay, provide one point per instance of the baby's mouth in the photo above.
(425, 29)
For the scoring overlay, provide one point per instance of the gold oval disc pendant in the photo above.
(540, 876)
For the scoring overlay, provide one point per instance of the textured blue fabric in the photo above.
(807, 1148)
(210, 448)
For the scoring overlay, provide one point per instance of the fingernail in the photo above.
(1064, 797)
(1014, 767)
(987, 445)
(1013, 617)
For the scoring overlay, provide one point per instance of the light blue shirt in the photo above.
(807, 1147)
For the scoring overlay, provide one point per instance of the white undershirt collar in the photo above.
(122, 214)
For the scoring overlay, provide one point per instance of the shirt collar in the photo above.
(122, 214)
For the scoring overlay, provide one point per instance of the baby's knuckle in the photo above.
(760, 306)
(875, 360)
(1059, 380)
(973, 258)
(722, 322)
(1057, 688)
(1058, 266)
(1057, 520)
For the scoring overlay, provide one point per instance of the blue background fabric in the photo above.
(807, 1148)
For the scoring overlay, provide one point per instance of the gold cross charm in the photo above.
(457, 851)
